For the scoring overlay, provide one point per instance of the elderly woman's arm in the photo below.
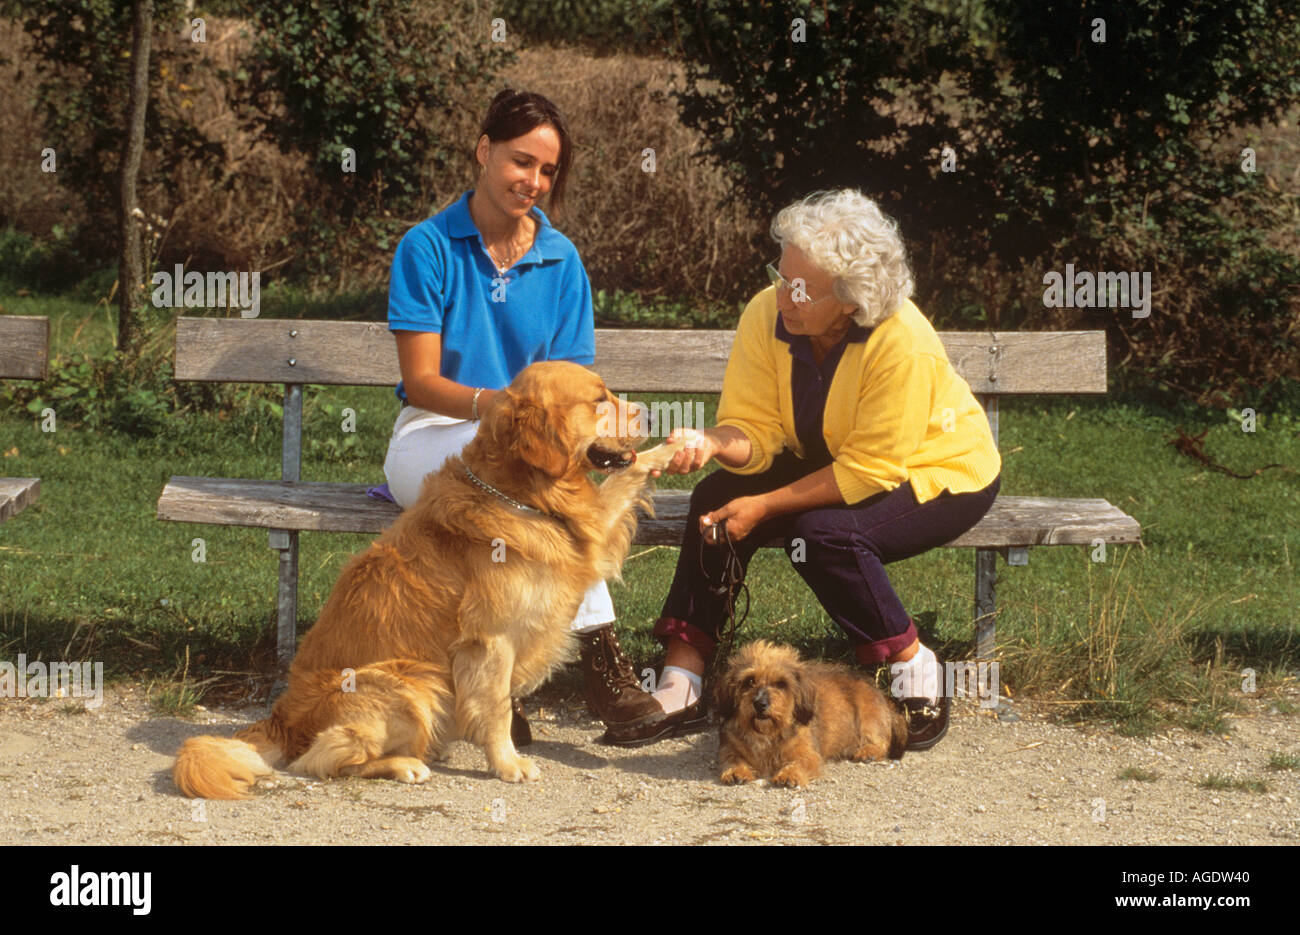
(807, 493)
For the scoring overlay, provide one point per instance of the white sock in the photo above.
(678, 688)
(918, 677)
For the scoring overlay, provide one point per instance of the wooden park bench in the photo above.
(24, 355)
(297, 353)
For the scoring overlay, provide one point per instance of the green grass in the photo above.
(1155, 635)
(1281, 761)
(1217, 782)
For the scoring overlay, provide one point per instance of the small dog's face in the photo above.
(764, 690)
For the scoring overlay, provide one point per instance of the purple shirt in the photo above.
(810, 382)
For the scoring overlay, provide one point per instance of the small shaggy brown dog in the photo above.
(464, 603)
(783, 716)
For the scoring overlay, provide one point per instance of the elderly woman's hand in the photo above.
(700, 448)
(741, 516)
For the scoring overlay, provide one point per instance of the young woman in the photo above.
(478, 292)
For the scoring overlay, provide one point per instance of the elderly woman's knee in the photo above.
(815, 532)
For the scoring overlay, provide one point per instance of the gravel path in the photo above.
(73, 776)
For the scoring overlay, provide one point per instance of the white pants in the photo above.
(421, 442)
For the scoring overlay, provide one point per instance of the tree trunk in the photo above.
(130, 272)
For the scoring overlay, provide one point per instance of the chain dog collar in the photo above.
(500, 496)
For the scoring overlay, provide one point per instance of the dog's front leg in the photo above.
(734, 763)
(629, 487)
(481, 670)
(800, 761)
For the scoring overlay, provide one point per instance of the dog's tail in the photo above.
(226, 767)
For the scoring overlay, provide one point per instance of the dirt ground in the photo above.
(68, 775)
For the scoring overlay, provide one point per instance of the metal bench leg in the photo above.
(286, 635)
(286, 541)
(985, 603)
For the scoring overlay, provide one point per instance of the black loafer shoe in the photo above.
(690, 720)
(521, 735)
(927, 721)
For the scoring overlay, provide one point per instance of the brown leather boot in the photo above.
(613, 692)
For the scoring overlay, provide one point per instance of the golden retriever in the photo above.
(462, 604)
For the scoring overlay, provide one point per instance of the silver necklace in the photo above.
(510, 258)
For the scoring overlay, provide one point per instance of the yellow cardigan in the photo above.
(896, 409)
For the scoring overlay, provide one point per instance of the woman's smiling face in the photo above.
(520, 172)
(810, 307)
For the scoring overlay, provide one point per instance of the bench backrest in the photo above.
(364, 354)
(24, 347)
(237, 350)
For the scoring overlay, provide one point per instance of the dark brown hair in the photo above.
(514, 113)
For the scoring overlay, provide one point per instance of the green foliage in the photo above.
(82, 51)
(791, 109)
(1218, 782)
(286, 300)
(97, 391)
(1114, 155)
(371, 76)
(621, 309)
(1126, 152)
(604, 26)
(1282, 761)
(40, 265)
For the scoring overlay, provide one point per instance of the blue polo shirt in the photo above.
(492, 325)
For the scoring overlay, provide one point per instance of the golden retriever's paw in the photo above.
(790, 776)
(735, 775)
(657, 458)
(521, 769)
(414, 772)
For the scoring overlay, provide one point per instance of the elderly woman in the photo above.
(846, 433)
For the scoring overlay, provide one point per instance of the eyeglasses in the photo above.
(782, 283)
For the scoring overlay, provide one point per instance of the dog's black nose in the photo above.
(762, 701)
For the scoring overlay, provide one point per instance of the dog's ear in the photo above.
(805, 698)
(526, 426)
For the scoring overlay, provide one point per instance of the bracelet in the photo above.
(473, 406)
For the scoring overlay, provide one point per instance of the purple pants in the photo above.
(844, 553)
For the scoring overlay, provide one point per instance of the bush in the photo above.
(661, 233)
(98, 392)
(605, 27)
(81, 52)
(378, 78)
(1113, 155)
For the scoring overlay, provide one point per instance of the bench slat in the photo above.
(237, 350)
(992, 363)
(16, 494)
(275, 504)
(24, 347)
(641, 361)
(1013, 521)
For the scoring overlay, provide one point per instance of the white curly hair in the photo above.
(846, 235)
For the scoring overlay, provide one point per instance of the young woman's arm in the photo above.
(419, 354)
